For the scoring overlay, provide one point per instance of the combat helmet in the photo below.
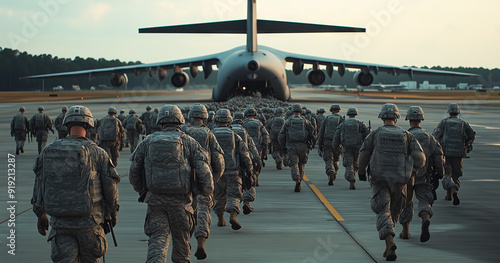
(223, 115)
(64, 109)
(132, 111)
(78, 114)
(22, 109)
(320, 110)
(389, 111)
(453, 108)
(415, 113)
(170, 114)
(112, 110)
(352, 111)
(41, 108)
(122, 111)
(250, 112)
(238, 115)
(334, 107)
(198, 111)
(148, 107)
(278, 111)
(296, 108)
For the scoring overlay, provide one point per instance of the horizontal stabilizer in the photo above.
(239, 27)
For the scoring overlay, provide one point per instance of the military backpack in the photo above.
(351, 136)
(276, 127)
(331, 123)
(453, 141)
(297, 130)
(225, 137)
(108, 128)
(19, 122)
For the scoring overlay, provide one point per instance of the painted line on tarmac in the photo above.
(325, 202)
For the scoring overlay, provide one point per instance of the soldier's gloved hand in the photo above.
(43, 225)
(362, 176)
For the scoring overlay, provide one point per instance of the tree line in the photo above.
(15, 64)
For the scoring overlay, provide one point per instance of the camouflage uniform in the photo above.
(122, 117)
(62, 130)
(454, 149)
(133, 125)
(297, 149)
(19, 127)
(274, 126)
(40, 124)
(330, 155)
(170, 213)
(77, 238)
(110, 145)
(257, 132)
(147, 120)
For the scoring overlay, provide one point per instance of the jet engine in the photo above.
(180, 79)
(119, 80)
(363, 79)
(315, 77)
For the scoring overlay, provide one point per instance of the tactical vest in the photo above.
(70, 185)
(225, 137)
(453, 141)
(39, 121)
(20, 122)
(166, 165)
(108, 129)
(424, 138)
(332, 121)
(276, 127)
(253, 129)
(131, 121)
(240, 131)
(390, 160)
(319, 119)
(351, 137)
(200, 134)
(296, 130)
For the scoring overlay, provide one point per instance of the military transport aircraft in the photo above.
(251, 68)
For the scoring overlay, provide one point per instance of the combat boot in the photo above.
(221, 221)
(278, 165)
(200, 250)
(390, 248)
(425, 235)
(454, 194)
(17, 151)
(22, 149)
(235, 225)
(331, 178)
(297, 186)
(247, 208)
(405, 233)
(352, 186)
(448, 195)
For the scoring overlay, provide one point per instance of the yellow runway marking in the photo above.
(322, 198)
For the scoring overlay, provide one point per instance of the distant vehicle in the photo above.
(179, 89)
(75, 87)
(92, 88)
(58, 88)
(496, 88)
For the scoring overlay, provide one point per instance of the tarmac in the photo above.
(320, 224)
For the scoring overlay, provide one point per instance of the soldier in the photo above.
(249, 192)
(164, 177)
(258, 132)
(349, 136)
(81, 196)
(274, 126)
(456, 137)
(92, 131)
(228, 190)
(156, 127)
(391, 152)
(40, 124)
(295, 138)
(111, 135)
(201, 204)
(62, 131)
(320, 116)
(19, 127)
(122, 117)
(326, 132)
(420, 183)
(147, 120)
(313, 122)
(134, 127)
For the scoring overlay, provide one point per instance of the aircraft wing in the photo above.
(205, 61)
(365, 67)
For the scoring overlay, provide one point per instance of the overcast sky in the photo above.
(399, 32)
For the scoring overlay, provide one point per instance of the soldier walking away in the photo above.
(156, 127)
(201, 204)
(81, 196)
(258, 133)
(274, 126)
(420, 181)
(19, 128)
(349, 136)
(295, 138)
(111, 135)
(62, 131)
(456, 137)
(40, 124)
(326, 132)
(133, 125)
(228, 190)
(165, 168)
(122, 117)
(391, 153)
(147, 120)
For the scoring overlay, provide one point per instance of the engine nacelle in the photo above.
(119, 80)
(180, 80)
(315, 77)
(363, 79)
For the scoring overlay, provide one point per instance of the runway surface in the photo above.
(286, 226)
